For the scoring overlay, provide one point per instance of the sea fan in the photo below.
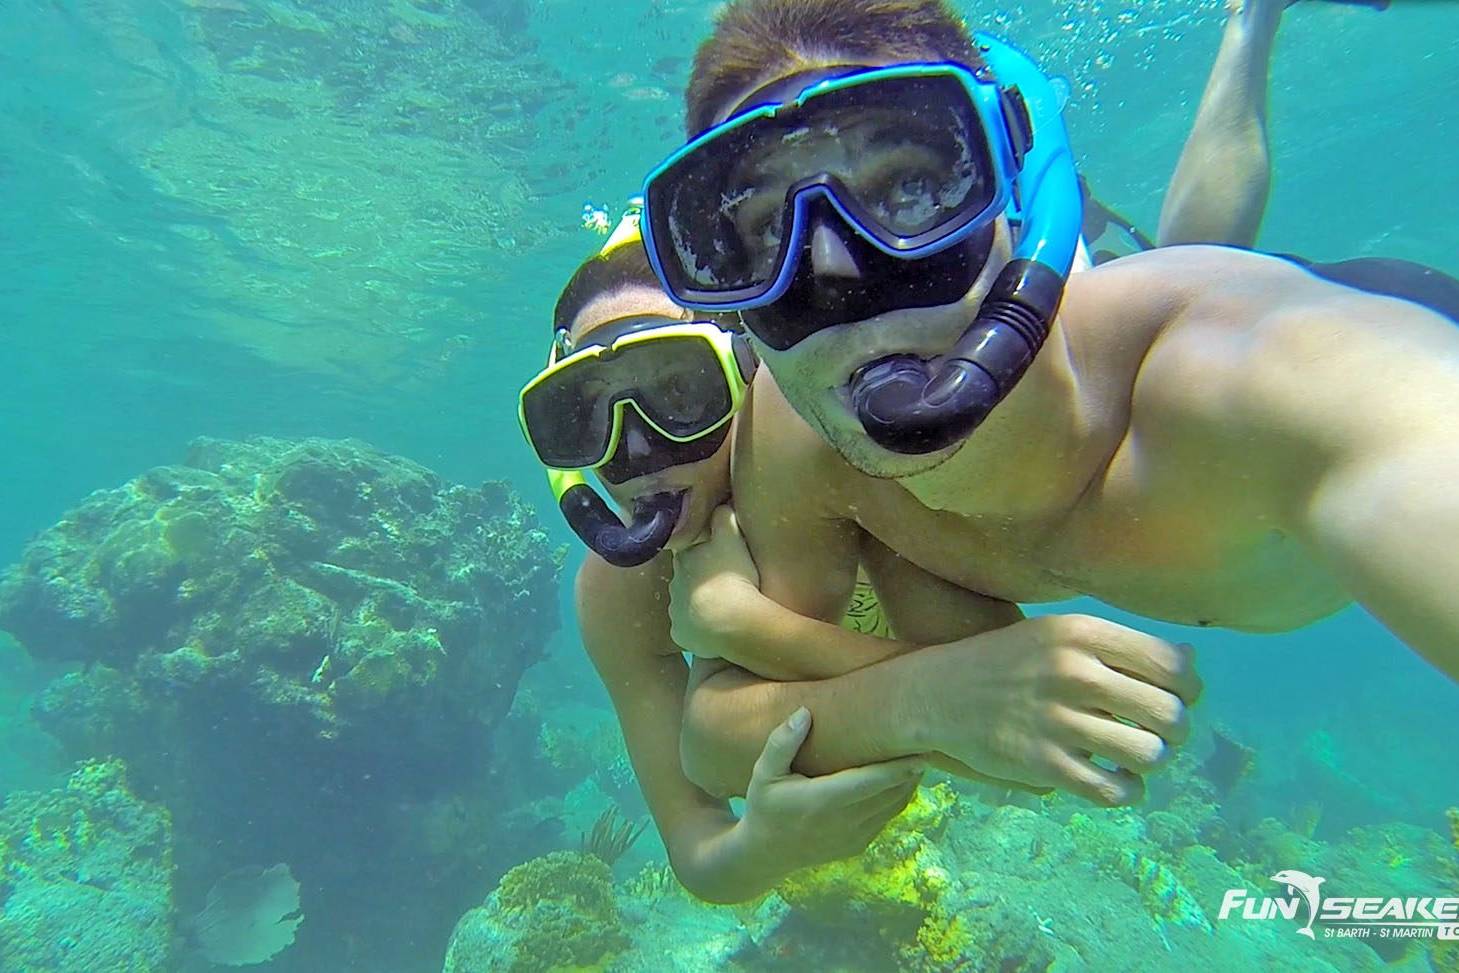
(250, 916)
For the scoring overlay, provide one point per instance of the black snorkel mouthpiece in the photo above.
(623, 546)
(910, 406)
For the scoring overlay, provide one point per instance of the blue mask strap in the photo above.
(1048, 203)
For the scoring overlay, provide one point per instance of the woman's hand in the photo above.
(792, 821)
(715, 587)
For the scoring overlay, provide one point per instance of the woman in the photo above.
(617, 337)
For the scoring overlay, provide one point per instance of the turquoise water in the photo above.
(230, 218)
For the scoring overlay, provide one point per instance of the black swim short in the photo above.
(1402, 279)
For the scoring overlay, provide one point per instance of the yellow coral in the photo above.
(896, 886)
(562, 910)
(1444, 956)
(564, 876)
(942, 942)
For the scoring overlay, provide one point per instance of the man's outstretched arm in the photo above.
(1377, 398)
(1336, 408)
(1388, 525)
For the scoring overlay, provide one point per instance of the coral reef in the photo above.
(85, 878)
(1229, 762)
(578, 742)
(554, 913)
(309, 624)
(1445, 955)
(954, 885)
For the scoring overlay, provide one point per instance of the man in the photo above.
(1206, 436)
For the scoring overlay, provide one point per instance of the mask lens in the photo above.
(906, 158)
(569, 417)
(680, 384)
(677, 382)
(916, 170)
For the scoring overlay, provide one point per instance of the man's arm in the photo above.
(1367, 390)
(1388, 526)
(924, 608)
(1334, 407)
(1010, 706)
(1015, 706)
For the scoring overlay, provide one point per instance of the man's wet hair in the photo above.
(620, 268)
(758, 40)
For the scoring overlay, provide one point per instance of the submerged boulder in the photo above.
(319, 590)
(85, 878)
(291, 601)
(302, 647)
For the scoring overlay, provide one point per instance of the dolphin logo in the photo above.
(1307, 886)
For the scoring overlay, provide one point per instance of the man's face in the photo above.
(814, 374)
(840, 275)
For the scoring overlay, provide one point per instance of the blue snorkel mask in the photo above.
(903, 164)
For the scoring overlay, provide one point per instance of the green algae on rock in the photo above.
(549, 914)
(348, 596)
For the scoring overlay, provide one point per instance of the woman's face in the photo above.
(707, 482)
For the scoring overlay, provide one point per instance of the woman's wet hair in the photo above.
(620, 268)
(755, 40)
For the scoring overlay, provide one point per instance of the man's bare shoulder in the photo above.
(1252, 350)
(1149, 290)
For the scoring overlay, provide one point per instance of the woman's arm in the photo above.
(646, 677)
(716, 610)
(789, 821)
(927, 610)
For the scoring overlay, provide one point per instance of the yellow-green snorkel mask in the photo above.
(667, 386)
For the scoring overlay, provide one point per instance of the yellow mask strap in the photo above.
(563, 480)
(628, 230)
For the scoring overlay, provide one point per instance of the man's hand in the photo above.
(1058, 701)
(715, 584)
(791, 821)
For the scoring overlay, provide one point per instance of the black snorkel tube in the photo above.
(912, 406)
(621, 545)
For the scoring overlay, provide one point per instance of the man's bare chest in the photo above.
(1193, 556)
